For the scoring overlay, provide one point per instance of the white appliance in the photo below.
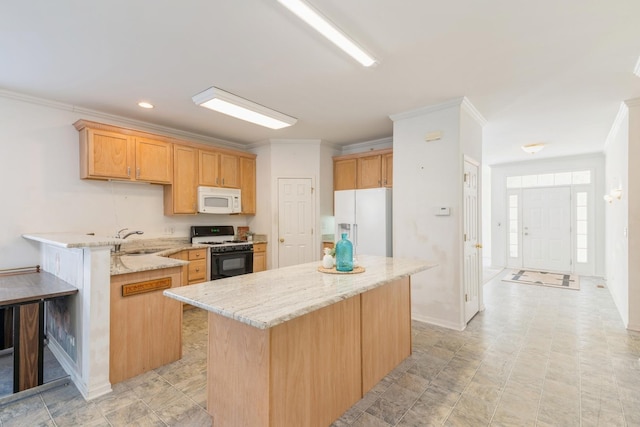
(365, 215)
(214, 200)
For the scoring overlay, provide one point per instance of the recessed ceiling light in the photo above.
(327, 29)
(533, 148)
(145, 104)
(243, 109)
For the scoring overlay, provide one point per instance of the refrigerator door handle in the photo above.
(355, 235)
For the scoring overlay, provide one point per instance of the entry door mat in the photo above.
(543, 278)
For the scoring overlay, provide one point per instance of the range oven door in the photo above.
(229, 264)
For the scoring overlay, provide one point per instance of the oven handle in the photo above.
(231, 253)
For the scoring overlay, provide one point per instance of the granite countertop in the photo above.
(125, 264)
(73, 240)
(271, 297)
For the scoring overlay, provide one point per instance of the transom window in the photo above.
(549, 179)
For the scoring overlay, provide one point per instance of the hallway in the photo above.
(536, 356)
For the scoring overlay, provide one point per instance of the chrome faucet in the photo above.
(117, 247)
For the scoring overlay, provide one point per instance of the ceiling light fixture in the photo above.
(331, 32)
(243, 109)
(533, 148)
(145, 104)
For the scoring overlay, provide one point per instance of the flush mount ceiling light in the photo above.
(533, 148)
(330, 31)
(243, 109)
(144, 104)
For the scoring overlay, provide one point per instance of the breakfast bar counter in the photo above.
(296, 346)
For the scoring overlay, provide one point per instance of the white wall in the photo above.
(301, 158)
(428, 175)
(42, 190)
(632, 193)
(499, 173)
(617, 219)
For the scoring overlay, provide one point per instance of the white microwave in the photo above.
(214, 200)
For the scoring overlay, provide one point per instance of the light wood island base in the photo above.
(307, 371)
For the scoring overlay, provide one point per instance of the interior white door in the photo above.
(546, 229)
(295, 221)
(472, 246)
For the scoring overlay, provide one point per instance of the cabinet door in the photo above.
(259, 261)
(185, 184)
(153, 161)
(248, 185)
(108, 155)
(229, 171)
(369, 172)
(344, 174)
(209, 172)
(387, 170)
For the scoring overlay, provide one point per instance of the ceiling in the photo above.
(538, 71)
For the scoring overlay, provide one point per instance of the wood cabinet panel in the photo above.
(259, 257)
(369, 172)
(344, 174)
(197, 271)
(387, 170)
(209, 168)
(182, 196)
(105, 154)
(305, 372)
(248, 185)
(386, 341)
(372, 169)
(153, 161)
(145, 328)
(229, 171)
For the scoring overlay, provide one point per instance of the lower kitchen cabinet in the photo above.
(145, 327)
(259, 257)
(196, 271)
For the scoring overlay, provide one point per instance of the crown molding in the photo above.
(623, 113)
(359, 147)
(122, 121)
(462, 102)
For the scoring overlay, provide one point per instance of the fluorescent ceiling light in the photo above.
(533, 148)
(243, 109)
(324, 27)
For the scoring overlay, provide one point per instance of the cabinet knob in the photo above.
(197, 270)
(281, 240)
(128, 170)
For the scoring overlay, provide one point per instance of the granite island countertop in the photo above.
(271, 297)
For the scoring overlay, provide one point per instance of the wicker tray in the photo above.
(333, 270)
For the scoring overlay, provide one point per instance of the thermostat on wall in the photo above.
(443, 211)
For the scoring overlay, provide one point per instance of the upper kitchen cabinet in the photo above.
(371, 169)
(248, 185)
(219, 169)
(109, 152)
(344, 174)
(182, 197)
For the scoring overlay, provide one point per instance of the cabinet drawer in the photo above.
(197, 271)
(196, 254)
(259, 247)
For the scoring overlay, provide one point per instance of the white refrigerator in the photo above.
(365, 215)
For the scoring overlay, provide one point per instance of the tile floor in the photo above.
(536, 356)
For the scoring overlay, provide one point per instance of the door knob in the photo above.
(281, 240)
(526, 234)
(478, 245)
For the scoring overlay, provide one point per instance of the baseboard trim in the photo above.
(70, 368)
(439, 322)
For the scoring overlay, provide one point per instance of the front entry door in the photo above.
(546, 229)
(295, 221)
(472, 246)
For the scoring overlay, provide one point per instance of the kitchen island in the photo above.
(298, 347)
